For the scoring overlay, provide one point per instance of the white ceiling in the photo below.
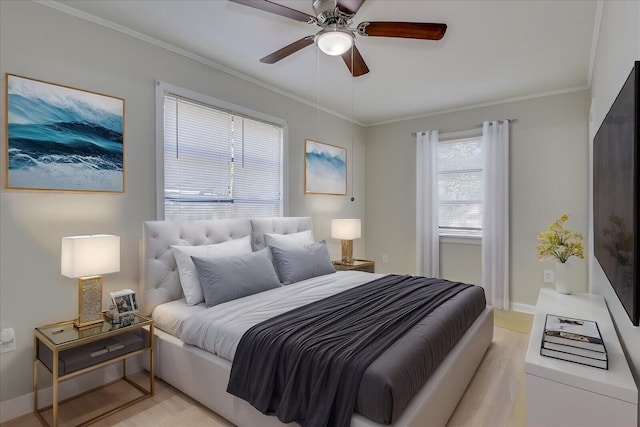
(492, 51)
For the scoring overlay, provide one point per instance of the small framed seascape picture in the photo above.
(125, 301)
(325, 169)
(63, 139)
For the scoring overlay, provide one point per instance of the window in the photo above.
(460, 187)
(217, 163)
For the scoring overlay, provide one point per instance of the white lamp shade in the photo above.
(334, 41)
(90, 255)
(345, 229)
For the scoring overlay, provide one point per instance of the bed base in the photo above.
(204, 377)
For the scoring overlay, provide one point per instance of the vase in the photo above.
(563, 277)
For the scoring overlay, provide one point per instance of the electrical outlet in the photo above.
(547, 276)
(385, 258)
(7, 340)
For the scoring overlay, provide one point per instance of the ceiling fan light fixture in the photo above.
(334, 41)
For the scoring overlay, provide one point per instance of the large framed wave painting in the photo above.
(325, 169)
(64, 139)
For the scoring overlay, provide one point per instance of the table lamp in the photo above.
(85, 258)
(346, 230)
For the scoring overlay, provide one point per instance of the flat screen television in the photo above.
(616, 164)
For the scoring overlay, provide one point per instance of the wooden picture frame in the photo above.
(62, 139)
(325, 169)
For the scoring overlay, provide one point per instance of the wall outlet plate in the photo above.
(547, 276)
(7, 340)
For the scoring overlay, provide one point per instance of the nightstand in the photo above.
(358, 265)
(67, 351)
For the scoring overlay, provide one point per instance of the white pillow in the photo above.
(298, 240)
(187, 270)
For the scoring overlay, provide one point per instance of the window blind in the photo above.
(460, 186)
(218, 164)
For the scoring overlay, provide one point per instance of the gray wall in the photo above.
(549, 176)
(42, 43)
(618, 47)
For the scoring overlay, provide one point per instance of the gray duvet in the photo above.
(377, 356)
(391, 381)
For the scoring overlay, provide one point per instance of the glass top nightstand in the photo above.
(67, 351)
(358, 265)
(66, 332)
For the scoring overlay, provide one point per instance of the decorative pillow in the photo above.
(293, 239)
(299, 263)
(187, 271)
(228, 278)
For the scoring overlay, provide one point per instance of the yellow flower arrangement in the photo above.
(559, 242)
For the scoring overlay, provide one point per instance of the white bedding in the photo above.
(219, 329)
(169, 316)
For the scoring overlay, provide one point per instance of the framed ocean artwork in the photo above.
(325, 169)
(64, 139)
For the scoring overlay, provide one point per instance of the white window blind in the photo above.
(257, 171)
(218, 164)
(460, 186)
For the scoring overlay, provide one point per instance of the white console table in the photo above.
(561, 393)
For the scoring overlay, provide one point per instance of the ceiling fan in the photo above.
(335, 36)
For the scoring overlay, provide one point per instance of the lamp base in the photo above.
(347, 252)
(89, 302)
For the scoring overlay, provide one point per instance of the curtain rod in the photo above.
(472, 128)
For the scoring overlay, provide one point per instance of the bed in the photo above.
(204, 375)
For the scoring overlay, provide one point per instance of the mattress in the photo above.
(390, 381)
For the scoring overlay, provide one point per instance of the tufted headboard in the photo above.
(160, 281)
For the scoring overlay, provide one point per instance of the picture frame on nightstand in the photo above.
(125, 301)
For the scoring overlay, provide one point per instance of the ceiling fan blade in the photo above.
(349, 6)
(276, 8)
(407, 30)
(355, 63)
(288, 50)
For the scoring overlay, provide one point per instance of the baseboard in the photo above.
(21, 405)
(524, 308)
(16, 407)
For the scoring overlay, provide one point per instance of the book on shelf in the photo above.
(573, 332)
(574, 343)
(600, 355)
(574, 340)
(597, 363)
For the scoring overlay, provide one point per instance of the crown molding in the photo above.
(485, 104)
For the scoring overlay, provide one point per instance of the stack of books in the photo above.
(574, 340)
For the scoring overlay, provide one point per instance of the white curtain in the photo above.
(495, 224)
(427, 233)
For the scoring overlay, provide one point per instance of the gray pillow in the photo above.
(228, 278)
(189, 276)
(299, 263)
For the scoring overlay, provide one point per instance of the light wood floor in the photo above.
(495, 396)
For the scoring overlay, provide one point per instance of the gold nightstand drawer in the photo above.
(83, 356)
